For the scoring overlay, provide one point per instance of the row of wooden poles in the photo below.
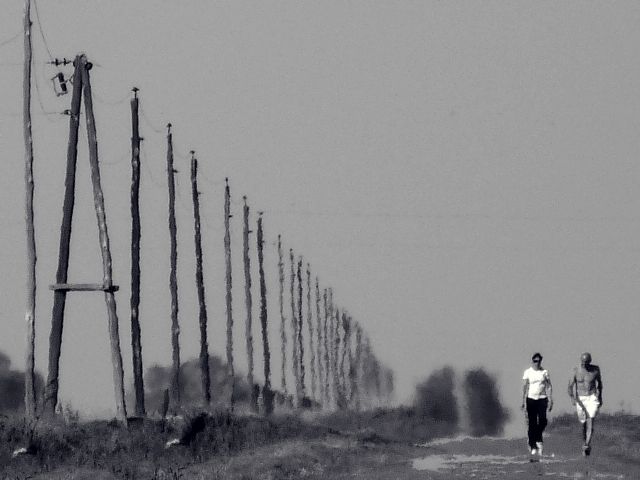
(344, 371)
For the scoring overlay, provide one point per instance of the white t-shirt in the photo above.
(538, 382)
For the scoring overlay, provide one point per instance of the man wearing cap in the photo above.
(585, 391)
(536, 399)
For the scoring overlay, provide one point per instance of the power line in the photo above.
(114, 102)
(149, 123)
(9, 40)
(35, 4)
(46, 113)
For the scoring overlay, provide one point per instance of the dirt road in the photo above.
(508, 458)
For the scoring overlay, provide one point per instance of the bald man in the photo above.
(585, 391)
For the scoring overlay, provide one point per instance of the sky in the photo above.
(464, 175)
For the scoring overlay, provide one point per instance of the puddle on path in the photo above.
(443, 462)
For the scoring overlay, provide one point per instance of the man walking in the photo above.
(536, 399)
(585, 391)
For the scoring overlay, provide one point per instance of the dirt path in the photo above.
(501, 458)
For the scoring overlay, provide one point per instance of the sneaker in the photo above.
(586, 450)
(540, 447)
(534, 451)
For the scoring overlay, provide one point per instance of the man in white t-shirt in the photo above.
(536, 399)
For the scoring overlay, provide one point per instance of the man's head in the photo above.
(536, 359)
(585, 359)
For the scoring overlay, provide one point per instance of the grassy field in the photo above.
(381, 444)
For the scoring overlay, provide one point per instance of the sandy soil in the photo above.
(502, 458)
(342, 455)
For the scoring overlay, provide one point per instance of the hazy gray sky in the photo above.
(463, 174)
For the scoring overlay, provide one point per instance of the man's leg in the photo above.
(542, 423)
(532, 421)
(588, 431)
(543, 417)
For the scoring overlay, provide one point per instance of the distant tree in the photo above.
(12, 387)
(487, 415)
(435, 398)
(157, 376)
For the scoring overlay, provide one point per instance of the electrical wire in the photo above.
(149, 123)
(111, 103)
(11, 39)
(38, 94)
(44, 39)
(145, 166)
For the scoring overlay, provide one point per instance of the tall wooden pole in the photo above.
(327, 362)
(30, 313)
(60, 296)
(346, 355)
(136, 344)
(336, 348)
(300, 335)
(248, 304)
(116, 356)
(319, 344)
(227, 250)
(267, 396)
(283, 332)
(173, 280)
(357, 368)
(202, 311)
(312, 352)
(294, 330)
(367, 368)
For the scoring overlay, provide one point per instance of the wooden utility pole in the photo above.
(173, 280)
(136, 344)
(30, 313)
(300, 336)
(356, 370)
(202, 316)
(346, 355)
(367, 368)
(60, 296)
(248, 303)
(267, 395)
(294, 330)
(116, 356)
(227, 250)
(312, 352)
(82, 85)
(327, 363)
(319, 344)
(283, 332)
(336, 371)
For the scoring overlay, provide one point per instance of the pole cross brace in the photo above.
(84, 287)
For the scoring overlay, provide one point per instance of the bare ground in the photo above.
(340, 455)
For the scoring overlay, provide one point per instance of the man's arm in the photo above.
(549, 392)
(525, 390)
(571, 389)
(599, 386)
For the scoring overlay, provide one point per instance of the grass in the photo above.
(617, 434)
(216, 439)
(222, 445)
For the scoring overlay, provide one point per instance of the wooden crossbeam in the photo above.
(84, 287)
